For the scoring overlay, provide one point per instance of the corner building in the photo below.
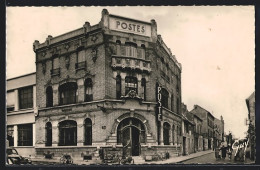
(97, 88)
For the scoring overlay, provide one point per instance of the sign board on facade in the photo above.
(129, 26)
(159, 104)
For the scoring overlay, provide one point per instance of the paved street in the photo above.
(210, 159)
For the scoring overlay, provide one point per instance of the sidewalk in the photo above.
(172, 160)
(180, 159)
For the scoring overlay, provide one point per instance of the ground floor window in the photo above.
(67, 133)
(25, 134)
(48, 134)
(166, 132)
(10, 135)
(88, 132)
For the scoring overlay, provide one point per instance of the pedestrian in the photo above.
(229, 151)
(223, 150)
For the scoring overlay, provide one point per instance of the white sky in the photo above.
(215, 46)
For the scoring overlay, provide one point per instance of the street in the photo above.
(210, 159)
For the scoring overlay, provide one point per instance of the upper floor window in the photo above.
(143, 84)
(165, 96)
(118, 87)
(81, 60)
(55, 66)
(141, 52)
(26, 97)
(10, 99)
(178, 105)
(88, 90)
(172, 102)
(130, 84)
(118, 49)
(68, 93)
(131, 50)
(49, 97)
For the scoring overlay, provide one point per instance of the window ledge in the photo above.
(23, 146)
(81, 68)
(21, 112)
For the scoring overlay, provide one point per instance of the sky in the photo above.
(214, 44)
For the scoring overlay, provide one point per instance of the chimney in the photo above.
(154, 30)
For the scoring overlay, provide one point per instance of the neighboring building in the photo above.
(101, 85)
(218, 131)
(188, 131)
(21, 109)
(198, 138)
(250, 103)
(207, 125)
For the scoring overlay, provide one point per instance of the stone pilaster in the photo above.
(123, 75)
(55, 95)
(81, 90)
(55, 133)
(161, 134)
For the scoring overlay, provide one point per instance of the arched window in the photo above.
(166, 133)
(88, 90)
(130, 84)
(49, 97)
(68, 93)
(68, 133)
(173, 133)
(143, 84)
(172, 102)
(178, 106)
(165, 96)
(88, 132)
(118, 87)
(48, 129)
(118, 45)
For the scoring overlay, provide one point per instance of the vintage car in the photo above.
(13, 157)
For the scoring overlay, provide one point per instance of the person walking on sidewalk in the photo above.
(223, 149)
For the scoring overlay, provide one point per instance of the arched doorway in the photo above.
(68, 133)
(131, 133)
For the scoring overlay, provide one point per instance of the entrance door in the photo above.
(135, 141)
(130, 141)
(184, 145)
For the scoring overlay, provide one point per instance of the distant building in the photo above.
(207, 125)
(187, 131)
(250, 102)
(218, 131)
(21, 110)
(198, 138)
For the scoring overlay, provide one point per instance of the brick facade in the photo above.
(103, 63)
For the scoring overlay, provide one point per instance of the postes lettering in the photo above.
(159, 97)
(130, 27)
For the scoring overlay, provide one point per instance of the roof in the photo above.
(24, 75)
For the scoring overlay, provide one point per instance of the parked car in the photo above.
(14, 158)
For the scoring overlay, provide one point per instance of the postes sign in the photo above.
(159, 103)
(129, 26)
